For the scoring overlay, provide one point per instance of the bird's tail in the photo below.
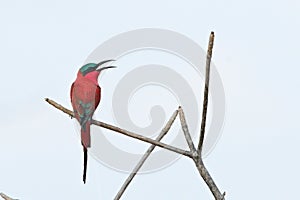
(86, 142)
(85, 134)
(85, 163)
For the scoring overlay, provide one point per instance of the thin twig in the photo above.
(5, 197)
(197, 158)
(185, 130)
(60, 107)
(199, 162)
(124, 132)
(142, 138)
(145, 156)
(205, 96)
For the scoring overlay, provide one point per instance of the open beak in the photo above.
(103, 68)
(103, 62)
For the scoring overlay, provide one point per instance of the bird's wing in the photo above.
(85, 99)
(97, 96)
(71, 92)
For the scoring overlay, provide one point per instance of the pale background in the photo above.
(43, 43)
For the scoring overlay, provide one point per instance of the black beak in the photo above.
(103, 62)
(103, 68)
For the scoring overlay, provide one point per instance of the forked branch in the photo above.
(193, 153)
(197, 158)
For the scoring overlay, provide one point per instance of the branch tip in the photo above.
(206, 90)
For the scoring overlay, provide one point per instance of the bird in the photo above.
(85, 97)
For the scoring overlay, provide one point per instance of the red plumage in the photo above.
(85, 97)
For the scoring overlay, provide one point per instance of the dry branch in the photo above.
(197, 158)
(195, 154)
(205, 95)
(123, 131)
(5, 197)
(145, 156)
(208, 180)
(186, 132)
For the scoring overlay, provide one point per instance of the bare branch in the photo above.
(124, 132)
(208, 180)
(60, 107)
(186, 130)
(142, 138)
(198, 160)
(145, 156)
(196, 155)
(5, 197)
(205, 97)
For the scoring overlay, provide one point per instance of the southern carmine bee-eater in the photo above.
(85, 97)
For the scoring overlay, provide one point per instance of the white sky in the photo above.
(256, 47)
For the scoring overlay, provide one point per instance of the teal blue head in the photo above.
(93, 67)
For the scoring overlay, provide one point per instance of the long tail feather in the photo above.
(85, 164)
(86, 142)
